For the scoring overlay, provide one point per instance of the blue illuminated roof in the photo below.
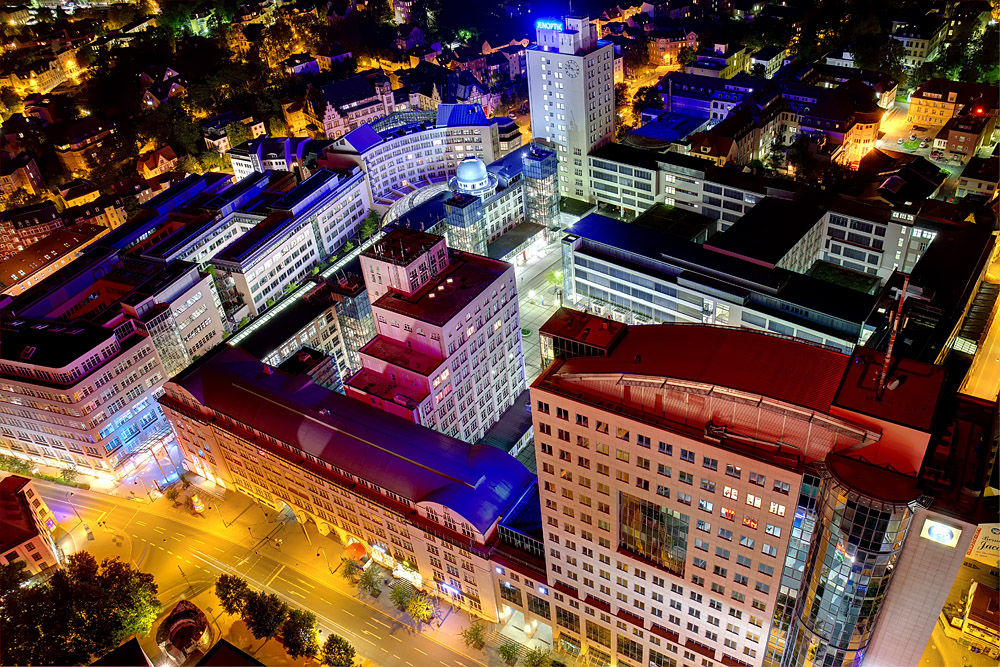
(451, 115)
(363, 139)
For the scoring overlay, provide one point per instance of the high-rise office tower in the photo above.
(447, 354)
(717, 496)
(571, 92)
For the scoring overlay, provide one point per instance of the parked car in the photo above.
(900, 141)
(936, 155)
(924, 144)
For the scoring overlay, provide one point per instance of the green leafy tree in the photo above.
(231, 590)
(172, 494)
(298, 633)
(237, 133)
(370, 224)
(370, 580)
(350, 570)
(337, 652)
(647, 97)
(475, 635)
(880, 52)
(420, 608)
(537, 658)
(686, 55)
(12, 575)
(264, 613)
(508, 652)
(15, 465)
(68, 475)
(82, 611)
(400, 596)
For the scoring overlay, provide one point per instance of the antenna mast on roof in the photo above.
(896, 317)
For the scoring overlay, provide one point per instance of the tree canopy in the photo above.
(83, 611)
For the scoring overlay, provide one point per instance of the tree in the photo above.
(350, 570)
(68, 475)
(647, 97)
(231, 590)
(237, 133)
(400, 596)
(420, 608)
(83, 610)
(758, 69)
(337, 652)
(12, 575)
(686, 55)
(475, 635)
(370, 224)
(172, 494)
(371, 580)
(537, 658)
(298, 634)
(264, 613)
(508, 652)
(15, 465)
(880, 52)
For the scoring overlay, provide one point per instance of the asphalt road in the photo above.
(186, 558)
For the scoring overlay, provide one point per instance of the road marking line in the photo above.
(161, 548)
(198, 541)
(169, 551)
(188, 560)
(135, 536)
(409, 663)
(384, 650)
(396, 656)
(419, 651)
(367, 623)
(176, 538)
(297, 593)
(142, 523)
(307, 584)
(347, 612)
(444, 663)
(396, 638)
(381, 623)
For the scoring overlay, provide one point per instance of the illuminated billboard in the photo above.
(935, 531)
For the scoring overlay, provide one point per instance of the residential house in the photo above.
(934, 102)
(722, 61)
(78, 149)
(26, 525)
(403, 10)
(78, 191)
(409, 37)
(962, 136)
(769, 59)
(298, 64)
(665, 44)
(41, 76)
(19, 172)
(21, 227)
(331, 53)
(39, 261)
(160, 84)
(921, 38)
(154, 163)
(215, 132)
(342, 106)
(429, 85)
(980, 177)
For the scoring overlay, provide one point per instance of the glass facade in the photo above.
(656, 533)
(855, 546)
(541, 204)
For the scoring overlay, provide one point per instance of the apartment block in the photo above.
(425, 506)
(40, 260)
(571, 94)
(27, 524)
(936, 101)
(294, 154)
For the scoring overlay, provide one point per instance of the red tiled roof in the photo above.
(780, 368)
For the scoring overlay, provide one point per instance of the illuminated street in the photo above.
(186, 552)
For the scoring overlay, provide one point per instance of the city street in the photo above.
(186, 551)
(537, 299)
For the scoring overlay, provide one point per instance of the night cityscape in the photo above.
(540, 333)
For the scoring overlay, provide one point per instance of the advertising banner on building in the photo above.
(985, 545)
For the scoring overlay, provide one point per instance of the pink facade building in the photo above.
(447, 354)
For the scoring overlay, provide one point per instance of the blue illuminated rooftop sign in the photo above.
(548, 24)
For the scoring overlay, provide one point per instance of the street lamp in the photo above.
(323, 549)
(70, 503)
(148, 495)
